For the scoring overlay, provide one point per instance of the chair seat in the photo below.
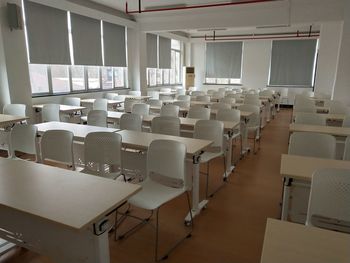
(153, 195)
(105, 175)
(207, 156)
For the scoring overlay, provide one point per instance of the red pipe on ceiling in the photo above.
(139, 11)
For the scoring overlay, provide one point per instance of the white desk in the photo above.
(332, 130)
(63, 108)
(287, 242)
(294, 167)
(9, 120)
(56, 212)
(135, 97)
(112, 103)
(195, 147)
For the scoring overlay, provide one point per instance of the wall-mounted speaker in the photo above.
(14, 16)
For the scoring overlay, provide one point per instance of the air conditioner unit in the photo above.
(188, 73)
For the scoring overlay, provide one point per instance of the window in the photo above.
(107, 78)
(78, 78)
(39, 78)
(222, 81)
(93, 77)
(60, 78)
(293, 63)
(119, 77)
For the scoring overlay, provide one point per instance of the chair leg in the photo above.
(207, 183)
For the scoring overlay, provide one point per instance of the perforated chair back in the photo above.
(182, 103)
(22, 139)
(135, 92)
(57, 145)
(310, 118)
(212, 130)
(50, 112)
(329, 196)
(130, 121)
(97, 118)
(204, 98)
(71, 101)
(228, 100)
(100, 104)
(170, 110)
(312, 144)
(220, 105)
(228, 115)
(346, 122)
(199, 113)
(184, 97)
(346, 155)
(15, 109)
(166, 125)
(140, 108)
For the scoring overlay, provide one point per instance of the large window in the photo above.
(293, 63)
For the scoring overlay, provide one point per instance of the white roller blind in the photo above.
(164, 53)
(224, 60)
(114, 45)
(47, 31)
(292, 62)
(86, 35)
(152, 51)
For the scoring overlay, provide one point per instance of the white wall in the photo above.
(4, 90)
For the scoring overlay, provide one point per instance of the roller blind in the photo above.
(114, 45)
(224, 60)
(47, 31)
(86, 35)
(292, 62)
(152, 48)
(164, 53)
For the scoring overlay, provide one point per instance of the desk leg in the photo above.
(196, 205)
(228, 155)
(286, 195)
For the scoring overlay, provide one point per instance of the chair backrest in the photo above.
(140, 108)
(254, 119)
(210, 92)
(218, 94)
(197, 93)
(100, 104)
(346, 155)
(228, 115)
(182, 103)
(312, 145)
(102, 151)
(252, 100)
(57, 145)
(23, 139)
(110, 96)
(201, 113)
(212, 130)
(135, 92)
(220, 105)
(170, 110)
(228, 100)
(184, 97)
(230, 92)
(166, 90)
(154, 94)
(204, 98)
(167, 159)
(155, 102)
(329, 197)
(128, 103)
(15, 109)
(310, 118)
(71, 101)
(166, 125)
(337, 107)
(97, 118)
(50, 112)
(266, 92)
(130, 121)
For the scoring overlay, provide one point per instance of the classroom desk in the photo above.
(286, 242)
(182, 111)
(327, 116)
(6, 121)
(201, 103)
(58, 213)
(112, 103)
(295, 167)
(63, 108)
(135, 97)
(195, 147)
(332, 130)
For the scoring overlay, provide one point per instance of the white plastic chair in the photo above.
(220, 105)
(128, 104)
(166, 180)
(140, 108)
(197, 93)
(154, 102)
(15, 109)
(204, 98)
(102, 154)
(228, 100)
(23, 139)
(166, 125)
(346, 155)
(135, 92)
(218, 95)
(71, 101)
(310, 118)
(97, 118)
(100, 104)
(312, 144)
(210, 92)
(170, 110)
(184, 97)
(337, 107)
(165, 90)
(50, 112)
(182, 103)
(211, 130)
(110, 96)
(57, 146)
(252, 100)
(329, 200)
(346, 122)
(130, 121)
(154, 94)
(201, 113)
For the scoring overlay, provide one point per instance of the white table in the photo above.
(295, 167)
(332, 130)
(58, 213)
(63, 108)
(287, 242)
(7, 121)
(195, 147)
(111, 103)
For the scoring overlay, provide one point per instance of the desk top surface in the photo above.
(329, 116)
(302, 168)
(10, 119)
(63, 108)
(80, 131)
(332, 130)
(136, 97)
(142, 140)
(65, 197)
(108, 101)
(290, 243)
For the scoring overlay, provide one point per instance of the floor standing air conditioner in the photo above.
(188, 73)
